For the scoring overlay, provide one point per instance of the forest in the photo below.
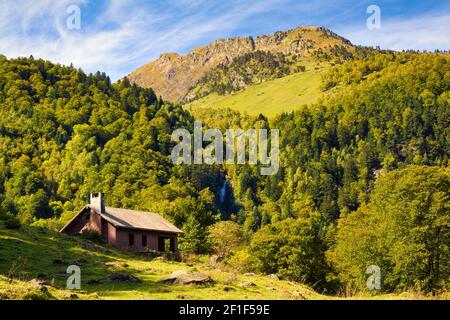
(363, 177)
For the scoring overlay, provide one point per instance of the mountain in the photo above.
(370, 151)
(173, 75)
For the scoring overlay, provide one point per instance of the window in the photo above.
(144, 240)
(131, 239)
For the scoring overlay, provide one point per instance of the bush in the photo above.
(293, 249)
(404, 230)
(50, 224)
(241, 261)
(225, 236)
(12, 223)
(92, 236)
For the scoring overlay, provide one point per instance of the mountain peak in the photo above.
(173, 75)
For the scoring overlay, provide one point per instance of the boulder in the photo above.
(273, 277)
(247, 284)
(249, 274)
(298, 295)
(185, 277)
(38, 284)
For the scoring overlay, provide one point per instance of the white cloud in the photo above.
(120, 39)
(127, 33)
(420, 33)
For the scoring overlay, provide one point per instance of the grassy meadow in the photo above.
(272, 97)
(30, 253)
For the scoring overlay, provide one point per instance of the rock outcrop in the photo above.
(172, 75)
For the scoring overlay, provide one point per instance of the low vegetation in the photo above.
(34, 261)
(271, 97)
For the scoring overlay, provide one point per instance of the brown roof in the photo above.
(124, 218)
(131, 219)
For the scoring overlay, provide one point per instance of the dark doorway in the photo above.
(144, 240)
(166, 244)
(131, 239)
(105, 230)
(161, 244)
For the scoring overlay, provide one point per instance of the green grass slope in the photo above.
(272, 97)
(30, 253)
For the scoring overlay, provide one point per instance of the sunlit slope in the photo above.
(31, 253)
(272, 97)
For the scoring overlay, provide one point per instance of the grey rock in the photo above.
(184, 277)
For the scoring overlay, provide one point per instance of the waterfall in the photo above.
(223, 192)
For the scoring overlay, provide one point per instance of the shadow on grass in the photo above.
(31, 252)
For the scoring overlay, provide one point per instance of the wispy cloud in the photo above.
(121, 36)
(427, 32)
(117, 36)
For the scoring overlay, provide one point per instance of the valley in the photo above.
(363, 152)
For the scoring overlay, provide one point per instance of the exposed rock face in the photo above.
(172, 75)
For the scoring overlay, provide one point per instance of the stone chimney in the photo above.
(98, 202)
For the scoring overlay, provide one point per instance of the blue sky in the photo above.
(117, 36)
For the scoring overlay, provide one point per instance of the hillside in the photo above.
(273, 97)
(382, 135)
(28, 270)
(65, 134)
(173, 75)
(32, 253)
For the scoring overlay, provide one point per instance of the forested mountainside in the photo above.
(172, 76)
(388, 112)
(332, 153)
(64, 134)
(261, 82)
(378, 143)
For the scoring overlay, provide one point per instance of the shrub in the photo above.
(404, 230)
(12, 223)
(293, 249)
(241, 261)
(225, 236)
(92, 236)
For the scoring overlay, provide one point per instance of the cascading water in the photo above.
(223, 192)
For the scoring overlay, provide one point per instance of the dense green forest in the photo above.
(363, 177)
(64, 133)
